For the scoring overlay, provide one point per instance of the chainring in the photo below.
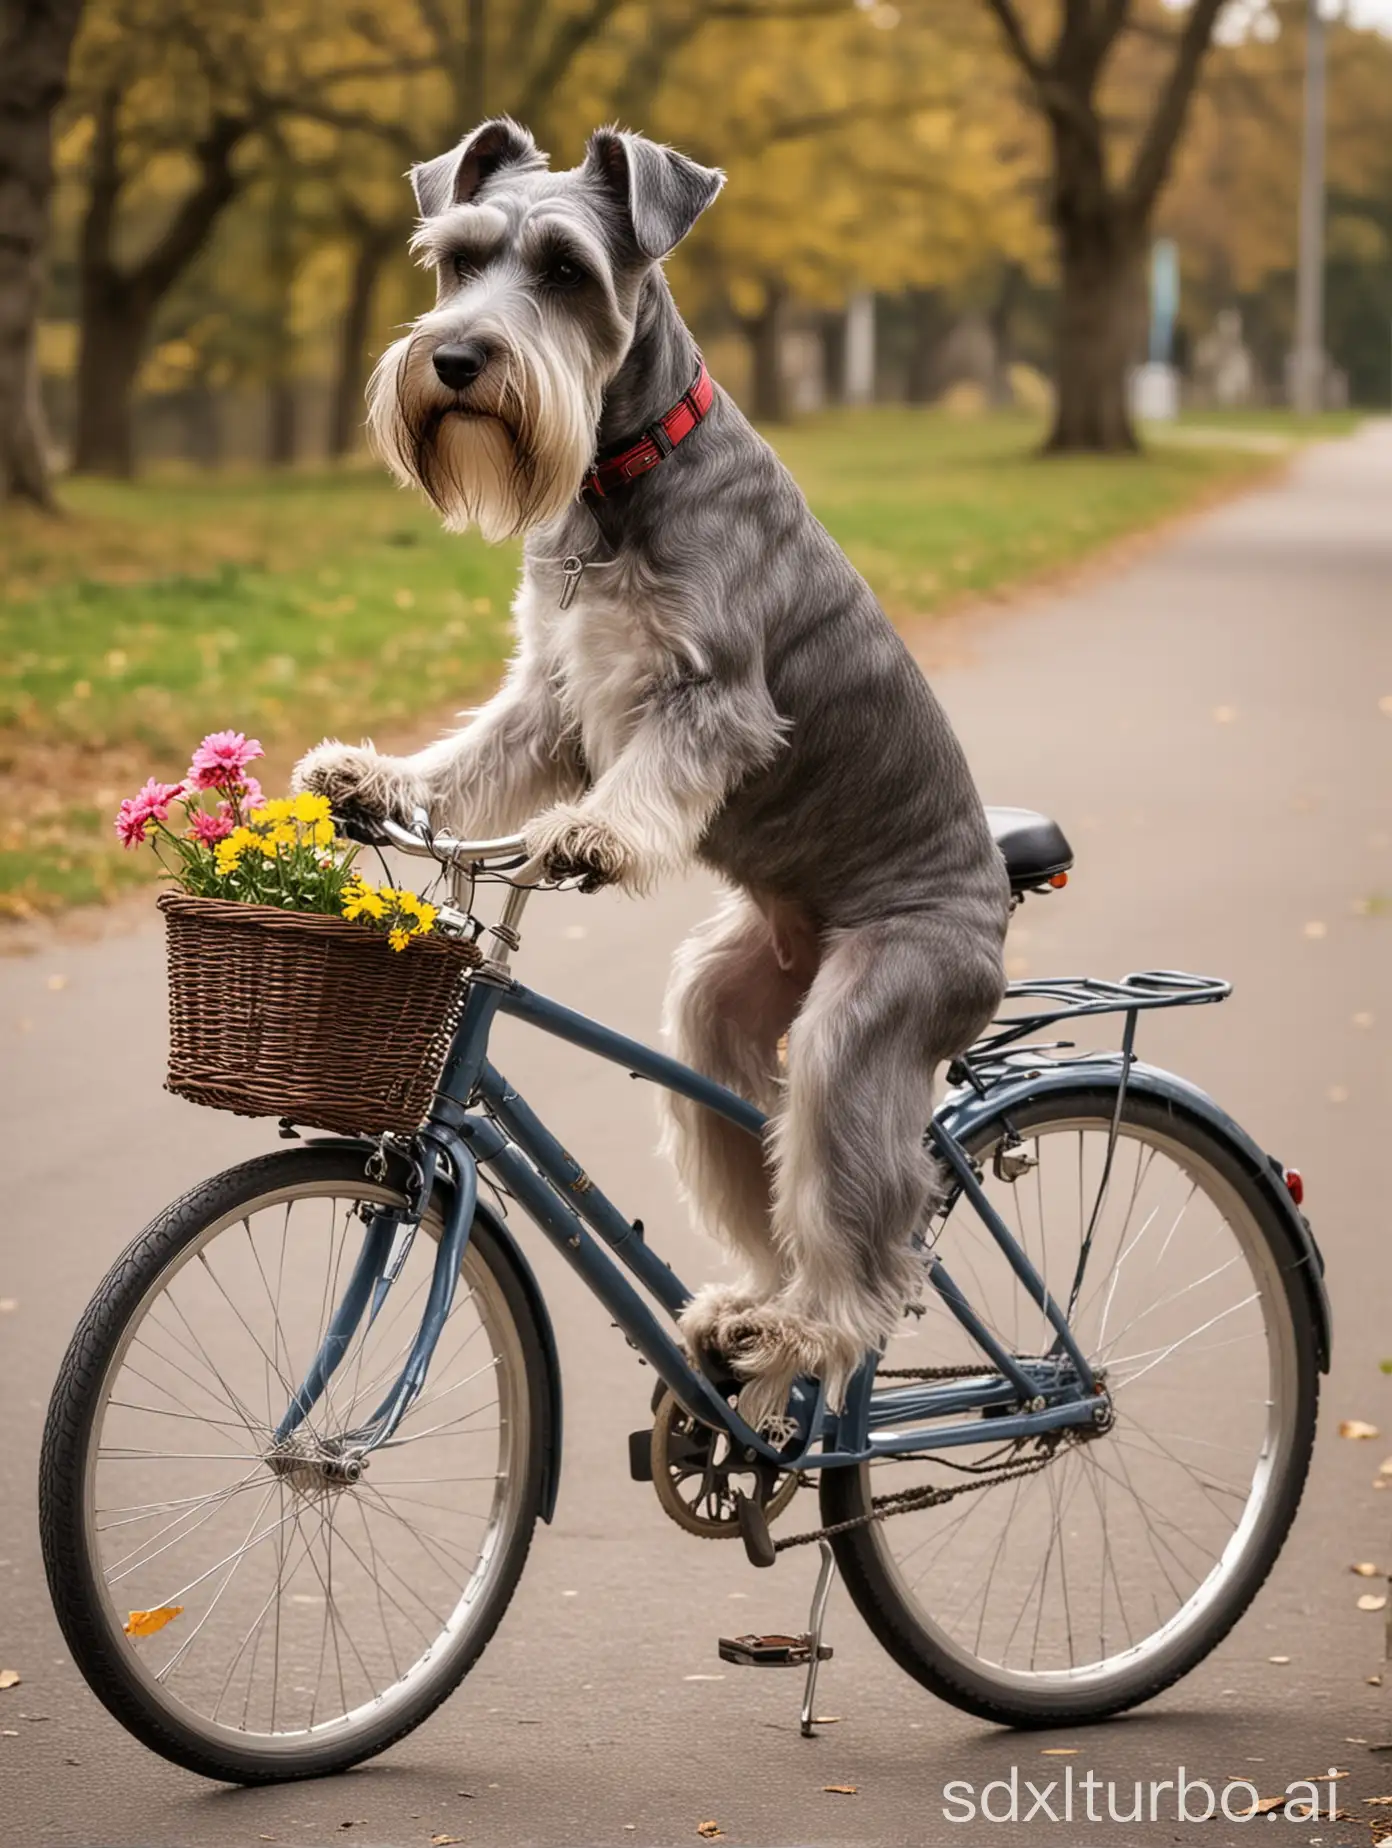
(693, 1475)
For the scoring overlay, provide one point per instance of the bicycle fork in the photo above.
(390, 1235)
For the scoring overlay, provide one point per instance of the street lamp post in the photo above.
(1307, 361)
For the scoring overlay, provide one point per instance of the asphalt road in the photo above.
(1213, 725)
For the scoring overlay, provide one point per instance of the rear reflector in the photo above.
(1295, 1186)
(1059, 880)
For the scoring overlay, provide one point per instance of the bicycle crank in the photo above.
(697, 1481)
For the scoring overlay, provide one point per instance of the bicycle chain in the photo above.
(907, 1501)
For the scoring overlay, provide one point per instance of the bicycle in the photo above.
(1056, 1500)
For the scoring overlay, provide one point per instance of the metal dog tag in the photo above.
(572, 569)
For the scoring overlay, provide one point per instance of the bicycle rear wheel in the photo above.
(248, 1622)
(1089, 1586)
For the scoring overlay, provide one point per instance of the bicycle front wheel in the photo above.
(256, 1623)
(1087, 1586)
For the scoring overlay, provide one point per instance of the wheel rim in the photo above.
(313, 1613)
(1116, 1553)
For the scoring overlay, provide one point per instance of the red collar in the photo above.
(657, 442)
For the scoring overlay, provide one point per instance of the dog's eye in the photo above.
(564, 273)
(464, 267)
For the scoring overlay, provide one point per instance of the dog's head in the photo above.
(491, 401)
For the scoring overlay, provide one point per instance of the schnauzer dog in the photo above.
(700, 676)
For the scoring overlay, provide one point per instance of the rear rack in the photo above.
(1073, 997)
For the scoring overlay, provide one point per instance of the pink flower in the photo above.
(219, 761)
(148, 804)
(208, 829)
(131, 823)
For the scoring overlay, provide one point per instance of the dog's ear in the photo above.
(454, 178)
(662, 193)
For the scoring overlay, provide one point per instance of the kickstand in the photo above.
(826, 1573)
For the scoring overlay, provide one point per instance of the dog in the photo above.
(700, 677)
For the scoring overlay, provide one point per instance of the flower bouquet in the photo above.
(298, 988)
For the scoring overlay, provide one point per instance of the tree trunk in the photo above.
(927, 326)
(115, 329)
(118, 306)
(768, 397)
(1095, 338)
(35, 41)
(346, 415)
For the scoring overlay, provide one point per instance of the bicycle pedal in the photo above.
(771, 1651)
(640, 1455)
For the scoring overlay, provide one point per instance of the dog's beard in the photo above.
(509, 457)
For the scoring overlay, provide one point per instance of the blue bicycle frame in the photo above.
(479, 1121)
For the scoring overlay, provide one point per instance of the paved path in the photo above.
(1208, 726)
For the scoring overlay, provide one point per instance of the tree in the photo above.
(177, 106)
(1106, 179)
(35, 42)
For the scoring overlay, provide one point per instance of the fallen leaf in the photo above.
(1356, 1428)
(1266, 1806)
(1365, 1569)
(146, 1623)
(841, 1790)
(9, 1732)
(1324, 1777)
(1378, 1802)
(1315, 929)
(1059, 1751)
(1280, 1661)
(826, 1719)
(712, 1831)
(1385, 1467)
(1373, 1681)
(1373, 1601)
(444, 1841)
(9, 1677)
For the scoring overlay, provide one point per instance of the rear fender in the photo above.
(965, 1114)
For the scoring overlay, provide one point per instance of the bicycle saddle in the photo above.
(1034, 848)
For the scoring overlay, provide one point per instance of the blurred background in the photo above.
(956, 233)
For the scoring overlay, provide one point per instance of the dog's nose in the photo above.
(459, 363)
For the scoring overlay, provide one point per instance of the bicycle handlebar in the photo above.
(419, 840)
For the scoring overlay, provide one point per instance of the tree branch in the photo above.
(187, 231)
(1151, 164)
(1014, 32)
(569, 39)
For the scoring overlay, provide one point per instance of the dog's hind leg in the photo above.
(729, 1002)
(853, 1180)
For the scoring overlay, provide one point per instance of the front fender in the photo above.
(536, 1302)
(964, 1114)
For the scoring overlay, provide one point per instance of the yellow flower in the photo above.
(319, 833)
(230, 851)
(425, 917)
(278, 808)
(399, 937)
(359, 899)
(310, 809)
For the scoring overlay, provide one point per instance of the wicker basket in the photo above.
(289, 1014)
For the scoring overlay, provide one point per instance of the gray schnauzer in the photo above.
(700, 676)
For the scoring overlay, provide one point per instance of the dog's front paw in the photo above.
(566, 843)
(772, 1344)
(712, 1311)
(358, 781)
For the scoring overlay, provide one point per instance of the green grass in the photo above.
(299, 604)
